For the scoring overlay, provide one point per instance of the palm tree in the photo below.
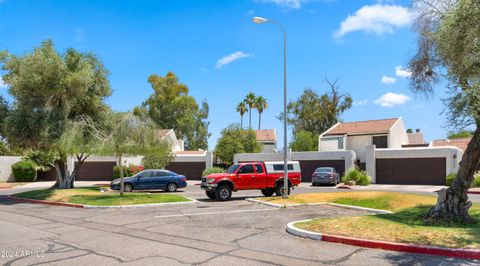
(260, 104)
(250, 100)
(242, 109)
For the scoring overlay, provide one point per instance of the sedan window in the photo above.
(147, 174)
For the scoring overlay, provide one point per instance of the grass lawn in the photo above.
(93, 196)
(403, 226)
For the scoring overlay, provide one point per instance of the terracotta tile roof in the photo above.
(459, 143)
(266, 135)
(362, 127)
(415, 138)
(189, 152)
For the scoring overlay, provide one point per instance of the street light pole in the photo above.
(260, 20)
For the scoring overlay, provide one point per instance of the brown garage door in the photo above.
(411, 171)
(309, 166)
(192, 170)
(95, 171)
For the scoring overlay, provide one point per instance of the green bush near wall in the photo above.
(213, 170)
(24, 171)
(360, 177)
(475, 183)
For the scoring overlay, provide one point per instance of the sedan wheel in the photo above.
(172, 187)
(128, 188)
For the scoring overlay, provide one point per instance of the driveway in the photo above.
(204, 233)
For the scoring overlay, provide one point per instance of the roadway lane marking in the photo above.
(212, 213)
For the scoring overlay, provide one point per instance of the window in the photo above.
(380, 142)
(148, 174)
(232, 168)
(279, 167)
(162, 173)
(259, 168)
(246, 169)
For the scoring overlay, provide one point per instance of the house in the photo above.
(415, 140)
(461, 143)
(268, 139)
(170, 137)
(356, 136)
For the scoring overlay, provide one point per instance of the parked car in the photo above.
(152, 179)
(325, 175)
(264, 176)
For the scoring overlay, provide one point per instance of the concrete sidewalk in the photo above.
(44, 185)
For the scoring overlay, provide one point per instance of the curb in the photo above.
(376, 211)
(473, 192)
(400, 247)
(83, 206)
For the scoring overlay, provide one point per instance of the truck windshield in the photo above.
(232, 169)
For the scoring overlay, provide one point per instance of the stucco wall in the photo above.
(398, 135)
(6, 167)
(348, 156)
(358, 144)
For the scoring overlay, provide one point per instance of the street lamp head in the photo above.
(259, 20)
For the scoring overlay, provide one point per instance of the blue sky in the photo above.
(361, 43)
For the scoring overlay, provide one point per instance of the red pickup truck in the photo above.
(265, 176)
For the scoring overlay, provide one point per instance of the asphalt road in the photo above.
(204, 233)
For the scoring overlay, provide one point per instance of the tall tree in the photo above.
(260, 104)
(4, 112)
(234, 140)
(49, 90)
(241, 109)
(317, 113)
(304, 141)
(129, 134)
(250, 102)
(448, 47)
(171, 107)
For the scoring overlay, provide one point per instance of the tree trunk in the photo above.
(452, 203)
(122, 184)
(250, 118)
(64, 180)
(259, 120)
(241, 121)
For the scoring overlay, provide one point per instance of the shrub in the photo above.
(116, 171)
(450, 178)
(213, 170)
(24, 171)
(360, 177)
(134, 169)
(476, 179)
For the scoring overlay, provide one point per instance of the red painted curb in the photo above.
(473, 192)
(448, 252)
(46, 202)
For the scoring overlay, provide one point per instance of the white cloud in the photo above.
(388, 80)
(377, 18)
(362, 102)
(294, 4)
(391, 99)
(404, 73)
(230, 58)
(2, 83)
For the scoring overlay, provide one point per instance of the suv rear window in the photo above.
(279, 167)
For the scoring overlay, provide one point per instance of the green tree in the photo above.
(304, 141)
(159, 158)
(234, 140)
(317, 113)
(170, 106)
(50, 90)
(4, 112)
(250, 101)
(460, 134)
(260, 104)
(448, 47)
(241, 109)
(128, 134)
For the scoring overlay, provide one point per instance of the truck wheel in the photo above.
(223, 192)
(211, 194)
(280, 191)
(268, 192)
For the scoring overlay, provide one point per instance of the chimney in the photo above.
(417, 130)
